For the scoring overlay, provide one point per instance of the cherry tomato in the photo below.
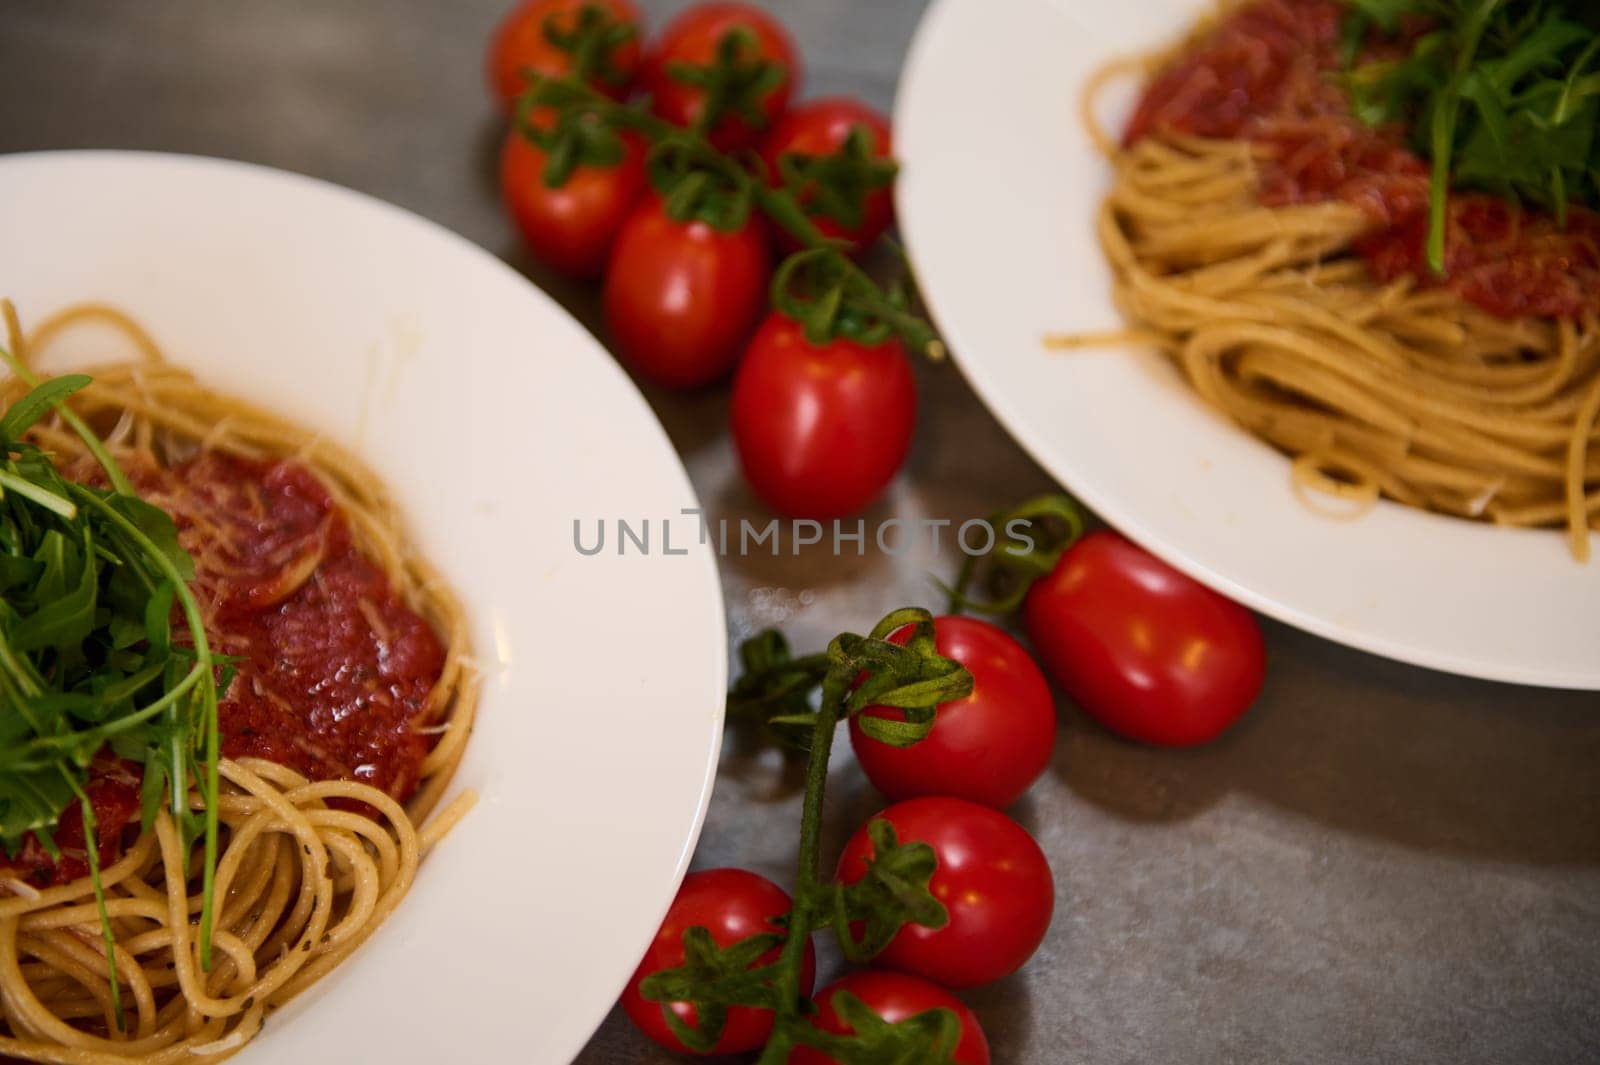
(1148, 652)
(731, 904)
(894, 997)
(992, 878)
(821, 430)
(692, 39)
(820, 128)
(520, 44)
(681, 297)
(988, 747)
(571, 227)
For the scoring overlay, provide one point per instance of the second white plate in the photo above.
(996, 200)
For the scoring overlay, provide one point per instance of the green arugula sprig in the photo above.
(856, 672)
(1500, 95)
(89, 578)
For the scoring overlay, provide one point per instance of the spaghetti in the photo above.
(309, 867)
(1264, 250)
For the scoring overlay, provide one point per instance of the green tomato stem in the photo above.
(807, 889)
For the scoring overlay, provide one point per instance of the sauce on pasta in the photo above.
(1268, 73)
(332, 668)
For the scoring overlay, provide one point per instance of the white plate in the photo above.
(996, 200)
(497, 420)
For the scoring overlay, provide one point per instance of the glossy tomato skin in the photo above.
(731, 904)
(992, 878)
(988, 747)
(692, 38)
(894, 997)
(1150, 653)
(571, 228)
(519, 43)
(681, 297)
(821, 430)
(819, 128)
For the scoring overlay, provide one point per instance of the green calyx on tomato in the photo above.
(987, 748)
(989, 873)
(892, 893)
(575, 138)
(697, 183)
(736, 82)
(901, 1019)
(837, 186)
(592, 40)
(855, 672)
(1031, 537)
(831, 297)
(714, 979)
(595, 40)
(927, 1038)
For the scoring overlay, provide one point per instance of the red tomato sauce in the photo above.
(1266, 74)
(333, 668)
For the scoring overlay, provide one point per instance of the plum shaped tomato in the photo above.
(821, 429)
(1150, 653)
(681, 297)
(570, 227)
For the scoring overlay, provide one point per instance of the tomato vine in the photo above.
(854, 673)
(576, 124)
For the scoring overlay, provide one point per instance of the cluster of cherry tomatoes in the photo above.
(822, 412)
(983, 753)
(1147, 651)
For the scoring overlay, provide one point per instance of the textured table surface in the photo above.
(1379, 864)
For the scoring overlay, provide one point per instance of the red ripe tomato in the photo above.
(821, 430)
(820, 128)
(681, 297)
(570, 228)
(731, 904)
(988, 747)
(692, 39)
(992, 878)
(519, 44)
(1148, 652)
(894, 997)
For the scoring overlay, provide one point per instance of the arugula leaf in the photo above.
(89, 582)
(66, 617)
(1388, 13)
(1500, 95)
(38, 402)
(31, 801)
